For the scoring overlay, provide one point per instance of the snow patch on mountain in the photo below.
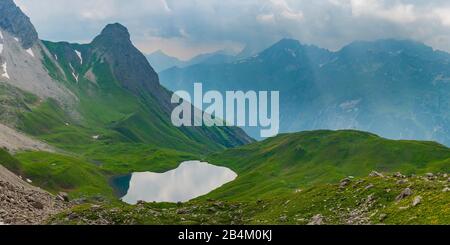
(5, 71)
(30, 52)
(291, 52)
(79, 56)
(75, 76)
(73, 72)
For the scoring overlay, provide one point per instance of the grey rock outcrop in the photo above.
(316, 220)
(405, 193)
(14, 21)
(21, 203)
(417, 200)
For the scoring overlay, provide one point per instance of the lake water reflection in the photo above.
(190, 180)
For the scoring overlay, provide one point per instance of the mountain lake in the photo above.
(190, 180)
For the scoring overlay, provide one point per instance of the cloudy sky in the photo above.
(184, 28)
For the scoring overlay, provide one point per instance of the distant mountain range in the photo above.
(399, 89)
(161, 61)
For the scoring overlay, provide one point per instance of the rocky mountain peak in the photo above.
(128, 64)
(14, 21)
(288, 42)
(113, 34)
(293, 52)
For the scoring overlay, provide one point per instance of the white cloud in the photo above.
(166, 6)
(443, 14)
(266, 18)
(298, 16)
(184, 28)
(97, 10)
(283, 10)
(399, 12)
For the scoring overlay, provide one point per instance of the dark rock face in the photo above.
(14, 21)
(128, 64)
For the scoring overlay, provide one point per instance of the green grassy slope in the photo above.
(88, 175)
(295, 179)
(55, 173)
(368, 200)
(13, 102)
(9, 162)
(291, 161)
